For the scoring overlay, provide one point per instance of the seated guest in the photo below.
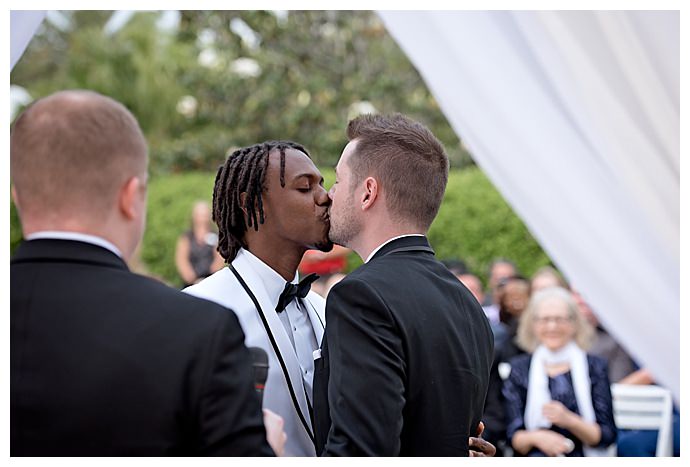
(546, 277)
(558, 398)
(620, 364)
(512, 301)
(499, 269)
(512, 295)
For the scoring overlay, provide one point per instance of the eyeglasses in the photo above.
(558, 320)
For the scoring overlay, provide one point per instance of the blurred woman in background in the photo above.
(195, 255)
(557, 397)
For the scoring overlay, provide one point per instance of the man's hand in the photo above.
(480, 447)
(275, 435)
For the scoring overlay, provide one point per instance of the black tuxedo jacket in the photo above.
(106, 362)
(405, 360)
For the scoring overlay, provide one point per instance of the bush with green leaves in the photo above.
(476, 225)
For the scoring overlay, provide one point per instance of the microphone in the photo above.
(260, 365)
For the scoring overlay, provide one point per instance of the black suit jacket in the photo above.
(405, 359)
(106, 362)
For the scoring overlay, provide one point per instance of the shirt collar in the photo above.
(77, 236)
(273, 282)
(371, 255)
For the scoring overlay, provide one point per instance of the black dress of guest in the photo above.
(200, 255)
(561, 389)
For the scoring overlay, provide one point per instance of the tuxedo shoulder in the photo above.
(220, 287)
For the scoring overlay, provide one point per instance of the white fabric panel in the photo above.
(574, 116)
(23, 26)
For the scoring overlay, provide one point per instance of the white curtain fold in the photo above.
(574, 116)
(23, 26)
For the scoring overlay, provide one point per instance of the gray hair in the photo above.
(584, 332)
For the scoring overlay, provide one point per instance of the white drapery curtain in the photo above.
(574, 116)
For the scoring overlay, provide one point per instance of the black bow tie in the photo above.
(295, 290)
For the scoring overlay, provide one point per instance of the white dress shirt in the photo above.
(294, 318)
(77, 236)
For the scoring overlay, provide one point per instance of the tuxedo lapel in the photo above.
(282, 340)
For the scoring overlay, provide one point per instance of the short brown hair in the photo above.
(408, 159)
(72, 151)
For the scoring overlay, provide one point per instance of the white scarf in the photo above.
(538, 389)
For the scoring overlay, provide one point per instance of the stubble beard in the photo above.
(344, 227)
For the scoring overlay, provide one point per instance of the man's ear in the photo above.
(370, 194)
(129, 199)
(15, 199)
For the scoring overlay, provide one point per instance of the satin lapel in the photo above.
(281, 338)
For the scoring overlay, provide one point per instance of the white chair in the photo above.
(645, 407)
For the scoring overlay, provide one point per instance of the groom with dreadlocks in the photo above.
(270, 207)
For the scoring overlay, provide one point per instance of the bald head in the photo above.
(71, 153)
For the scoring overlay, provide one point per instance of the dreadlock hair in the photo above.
(244, 171)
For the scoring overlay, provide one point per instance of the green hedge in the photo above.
(170, 202)
(475, 224)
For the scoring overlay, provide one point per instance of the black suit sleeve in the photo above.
(230, 417)
(367, 373)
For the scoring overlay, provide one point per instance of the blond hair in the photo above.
(526, 339)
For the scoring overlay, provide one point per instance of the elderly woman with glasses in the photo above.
(557, 397)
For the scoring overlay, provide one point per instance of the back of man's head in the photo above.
(409, 161)
(71, 153)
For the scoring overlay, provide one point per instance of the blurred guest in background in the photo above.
(513, 299)
(500, 268)
(604, 345)
(512, 295)
(474, 285)
(545, 277)
(195, 255)
(558, 398)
